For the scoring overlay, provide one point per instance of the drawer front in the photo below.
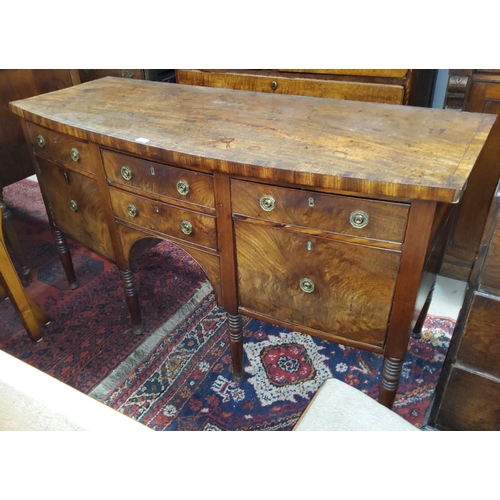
(166, 219)
(335, 287)
(70, 151)
(356, 217)
(74, 204)
(173, 182)
(368, 92)
(480, 346)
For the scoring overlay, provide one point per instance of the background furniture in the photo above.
(467, 396)
(157, 75)
(15, 160)
(245, 182)
(337, 406)
(29, 313)
(473, 90)
(395, 86)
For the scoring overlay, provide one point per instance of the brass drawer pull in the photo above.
(132, 210)
(307, 285)
(126, 173)
(274, 85)
(41, 141)
(73, 205)
(267, 203)
(183, 187)
(186, 227)
(75, 155)
(359, 219)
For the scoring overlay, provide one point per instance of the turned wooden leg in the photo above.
(235, 325)
(132, 298)
(11, 236)
(417, 329)
(65, 257)
(391, 373)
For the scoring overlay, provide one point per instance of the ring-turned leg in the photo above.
(65, 257)
(132, 298)
(235, 325)
(391, 373)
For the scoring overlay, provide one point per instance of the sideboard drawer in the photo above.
(75, 205)
(72, 152)
(165, 180)
(165, 219)
(331, 286)
(377, 220)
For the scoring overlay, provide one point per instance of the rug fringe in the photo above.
(145, 348)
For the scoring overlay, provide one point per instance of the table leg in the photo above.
(132, 298)
(391, 373)
(65, 257)
(235, 325)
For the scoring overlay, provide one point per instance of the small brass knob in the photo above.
(306, 285)
(183, 187)
(75, 155)
(73, 205)
(132, 210)
(274, 85)
(267, 203)
(186, 227)
(41, 141)
(359, 219)
(126, 173)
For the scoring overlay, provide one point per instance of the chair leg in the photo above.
(30, 314)
(13, 239)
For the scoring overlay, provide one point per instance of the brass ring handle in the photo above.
(267, 203)
(186, 227)
(132, 210)
(75, 155)
(73, 205)
(306, 285)
(41, 141)
(126, 172)
(183, 187)
(359, 219)
(274, 85)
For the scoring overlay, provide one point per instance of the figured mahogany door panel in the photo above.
(480, 346)
(70, 151)
(358, 91)
(74, 203)
(470, 402)
(150, 177)
(356, 217)
(335, 287)
(165, 219)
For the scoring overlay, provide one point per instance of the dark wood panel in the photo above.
(470, 403)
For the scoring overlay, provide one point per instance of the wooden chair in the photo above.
(31, 315)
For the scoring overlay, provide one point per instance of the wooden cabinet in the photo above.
(327, 216)
(393, 86)
(468, 392)
(473, 91)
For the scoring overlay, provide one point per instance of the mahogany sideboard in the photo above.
(322, 215)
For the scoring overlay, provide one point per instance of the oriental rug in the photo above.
(177, 375)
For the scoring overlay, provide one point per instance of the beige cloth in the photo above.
(340, 407)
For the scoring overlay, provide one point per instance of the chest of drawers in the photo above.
(326, 216)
